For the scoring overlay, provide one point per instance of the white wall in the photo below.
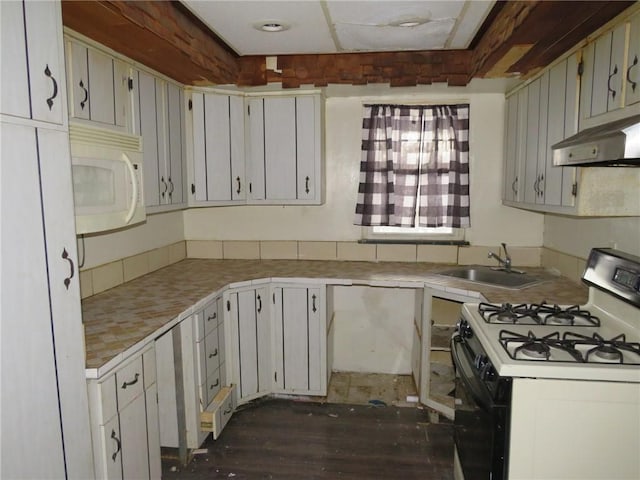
(373, 329)
(491, 222)
(576, 236)
(159, 230)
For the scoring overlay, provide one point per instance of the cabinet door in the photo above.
(14, 73)
(153, 432)
(32, 66)
(101, 87)
(252, 360)
(148, 128)
(280, 148)
(299, 340)
(556, 130)
(571, 118)
(218, 153)
(112, 453)
(78, 80)
(510, 187)
(236, 147)
(608, 61)
(64, 288)
(531, 171)
(174, 167)
(135, 449)
(546, 174)
(122, 87)
(632, 75)
(43, 22)
(255, 154)
(162, 123)
(30, 415)
(307, 147)
(199, 186)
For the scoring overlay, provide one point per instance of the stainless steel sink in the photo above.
(495, 278)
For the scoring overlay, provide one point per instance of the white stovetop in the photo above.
(616, 318)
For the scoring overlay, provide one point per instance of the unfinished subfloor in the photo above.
(363, 429)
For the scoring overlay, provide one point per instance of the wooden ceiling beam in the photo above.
(519, 37)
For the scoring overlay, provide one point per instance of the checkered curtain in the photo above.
(406, 146)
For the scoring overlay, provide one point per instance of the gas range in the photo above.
(596, 341)
(525, 370)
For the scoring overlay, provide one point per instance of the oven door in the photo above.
(481, 422)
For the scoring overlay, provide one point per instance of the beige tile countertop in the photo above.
(122, 320)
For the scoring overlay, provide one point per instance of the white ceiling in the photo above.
(335, 26)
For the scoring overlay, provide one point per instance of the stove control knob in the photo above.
(464, 329)
(480, 362)
(488, 373)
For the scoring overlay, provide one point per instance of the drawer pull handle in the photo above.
(633, 64)
(47, 72)
(211, 317)
(83, 102)
(609, 89)
(313, 304)
(215, 384)
(215, 353)
(65, 256)
(306, 185)
(132, 382)
(118, 445)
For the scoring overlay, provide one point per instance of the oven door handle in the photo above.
(465, 370)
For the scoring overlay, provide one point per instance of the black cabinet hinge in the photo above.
(190, 104)
(248, 109)
(193, 188)
(574, 189)
(581, 68)
(130, 83)
(228, 306)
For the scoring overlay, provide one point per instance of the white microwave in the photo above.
(107, 179)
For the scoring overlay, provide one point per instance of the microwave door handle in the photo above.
(134, 193)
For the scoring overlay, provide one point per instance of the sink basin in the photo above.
(495, 278)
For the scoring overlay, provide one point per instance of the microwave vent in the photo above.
(104, 137)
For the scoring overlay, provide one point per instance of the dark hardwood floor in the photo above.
(285, 439)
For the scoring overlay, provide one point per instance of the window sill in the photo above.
(408, 241)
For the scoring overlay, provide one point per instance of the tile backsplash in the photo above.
(104, 277)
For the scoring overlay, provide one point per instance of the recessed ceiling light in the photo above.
(408, 22)
(271, 26)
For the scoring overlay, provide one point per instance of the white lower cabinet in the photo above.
(247, 310)
(299, 339)
(191, 372)
(124, 416)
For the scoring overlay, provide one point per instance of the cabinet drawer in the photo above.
(129, 382)
(210, 317)
(212, 386)
(222, 407)
(212, 351)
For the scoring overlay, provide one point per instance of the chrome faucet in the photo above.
(505, 264)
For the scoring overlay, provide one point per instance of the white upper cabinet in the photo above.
(218, 148)
(33, 73)
(632, 74)
(274, 142)
(159, 116)
(285, 149)
(99, 86)
(610, 84)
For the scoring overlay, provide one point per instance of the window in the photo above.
(414, 171)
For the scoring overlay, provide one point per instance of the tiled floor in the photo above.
(370, 388)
